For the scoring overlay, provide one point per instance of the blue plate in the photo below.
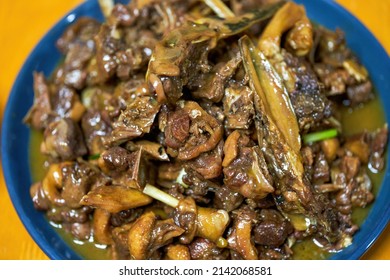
(15, 135)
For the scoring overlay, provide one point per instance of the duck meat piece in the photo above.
(129, 169)
(191, 131)
(362, 195)
(134, 121)
(238, 107)
(269, 253)
(63, 140)
(361, 93)
(39, 115)
(80, 231)
(77, 180)
(240, 7)
(204, 249)
(67, 215)
(197, 186)
(272, 228)
(94, 127)
(309, 102)
(378, 148)
(66, 103)
(177, 128)
(112, 53)
(227, 199)
(78, 45)
(185, 216)
(125, 216)
(82, 32)
(321, 173)
(198, 221)
(208, 164)
(152, 150)
(51, 104)
(211, 86)
(245, 171)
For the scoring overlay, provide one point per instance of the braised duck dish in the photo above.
(204, 130)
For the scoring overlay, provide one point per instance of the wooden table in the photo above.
(23, 23)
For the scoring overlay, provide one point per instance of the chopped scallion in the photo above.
(320, 135)
(159, 195)
(94, 156)
(219, 8)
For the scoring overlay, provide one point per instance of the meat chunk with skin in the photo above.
(245, 171)
(78, 45)
(204, 249)
(360, 93)
(309, 102)
(169, 71)
(52, 104)
(339, 70)
(63, 140)
(134, 121)
(209, 164)
(178, 129)
(211, 86)
(81, 231)
(82, 32)
(267, 253)
(125, 217)
(227, 199)
(378, 148)
(272, 229)
(321, 172)
(238, 107)
(94, 127)
(78, 179)
(130, 169)
(202, 134)
(38, 116)
(362, 195)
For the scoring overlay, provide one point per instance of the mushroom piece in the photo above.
(115, 198)
(147, 234)
(240, 238)
(196, 221)
(177, 252)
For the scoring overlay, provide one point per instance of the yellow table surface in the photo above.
(23, 23)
